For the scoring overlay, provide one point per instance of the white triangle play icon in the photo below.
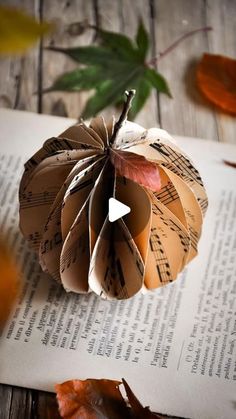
(116, 209)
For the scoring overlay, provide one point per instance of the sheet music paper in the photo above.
(71, 178)
(176, 346)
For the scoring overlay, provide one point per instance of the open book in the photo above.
(176, 346)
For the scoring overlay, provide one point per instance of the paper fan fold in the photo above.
(64, 195)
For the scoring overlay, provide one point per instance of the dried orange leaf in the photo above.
(230, 163)
(91, 399)
(9, 284)
(216, 79)
(136, 168)
(99, 399)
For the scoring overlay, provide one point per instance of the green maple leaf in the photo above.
(115, 65)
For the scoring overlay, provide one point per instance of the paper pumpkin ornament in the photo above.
(64, 203)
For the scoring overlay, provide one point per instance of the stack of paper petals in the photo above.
(64, 196)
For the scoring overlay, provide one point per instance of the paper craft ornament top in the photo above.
(64, 195)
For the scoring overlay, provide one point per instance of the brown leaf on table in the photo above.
(91, 399)
(216, 79)
(137, 168)
(99, 399)
(9, 284)
(230, 163)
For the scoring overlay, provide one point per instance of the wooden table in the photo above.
(22, 80)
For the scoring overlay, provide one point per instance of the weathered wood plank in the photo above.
(131, 12)
(221, 15)
(20, 404)
(123, 16)
(109, 18)
(187, 113)
(19, 75)
(45, 406)
(109, 15)
(5, 401)
(67, 15)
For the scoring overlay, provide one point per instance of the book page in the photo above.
(175, 346)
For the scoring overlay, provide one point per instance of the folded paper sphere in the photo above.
(64, 203)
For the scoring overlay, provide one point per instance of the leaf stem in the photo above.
(129, 97)
(162, 54)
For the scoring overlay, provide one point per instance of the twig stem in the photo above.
(129, 97)
(162, 54)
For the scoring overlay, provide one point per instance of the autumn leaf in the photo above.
(91, 399)
(19, 31)
(118, 63)
(216, 79)
(9, 284)
(121, 64)
(99, 399)
(136, 168)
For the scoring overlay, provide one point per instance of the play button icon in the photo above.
(116, 209)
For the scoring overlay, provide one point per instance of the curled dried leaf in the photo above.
(91, 399)
(216, 79)
(99, 399)
(137, 168)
